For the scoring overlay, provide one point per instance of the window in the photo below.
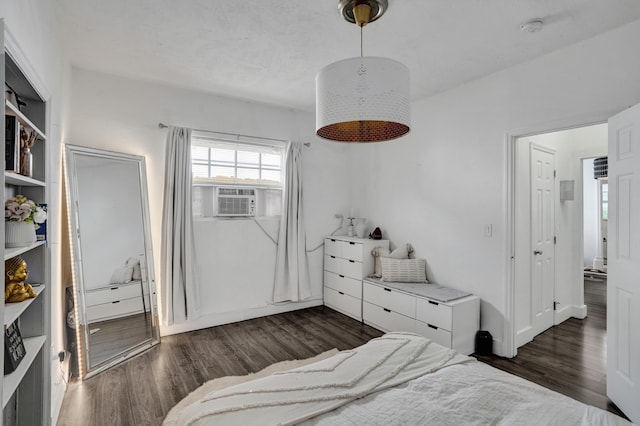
(216, 162)
(604, 188)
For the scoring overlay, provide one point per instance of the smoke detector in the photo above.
(532, 26)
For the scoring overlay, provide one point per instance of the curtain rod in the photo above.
(164, 126)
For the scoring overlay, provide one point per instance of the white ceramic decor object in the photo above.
(19, 234)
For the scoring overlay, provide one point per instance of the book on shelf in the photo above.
(13, 348)
(11, 143)
(41, 231)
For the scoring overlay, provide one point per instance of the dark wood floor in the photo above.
(141, 391)
(112, 337)
(569, 358)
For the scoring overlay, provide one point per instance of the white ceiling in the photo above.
(271, 50)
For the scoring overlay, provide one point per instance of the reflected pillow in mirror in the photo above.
(122, 275)
(134, 262)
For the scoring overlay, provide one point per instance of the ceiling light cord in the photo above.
(362, 41)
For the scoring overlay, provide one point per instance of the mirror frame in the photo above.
(82, 330)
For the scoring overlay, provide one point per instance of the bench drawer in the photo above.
(385, 319)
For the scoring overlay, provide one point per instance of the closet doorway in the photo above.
(566, 267)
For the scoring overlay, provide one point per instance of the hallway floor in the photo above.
(569, 358)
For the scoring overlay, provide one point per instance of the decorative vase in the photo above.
(26, 162)
(361, 227)
(19, 234)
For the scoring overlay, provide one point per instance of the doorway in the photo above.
(543, 301)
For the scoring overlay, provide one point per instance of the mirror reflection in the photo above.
(116, 312)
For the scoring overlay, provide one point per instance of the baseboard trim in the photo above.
(60, 378)
(524, 336)
(498, 347)
(570, 311)
(212, 320)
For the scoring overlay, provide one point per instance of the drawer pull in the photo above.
(352, 261)
(387, 289)
(433, 303)
(341, 276)
(117, 301)
(341, 293)
(332, 240)
(387, 310)
(432, 326)
(333, 257)
(353, 244)
(114, 288)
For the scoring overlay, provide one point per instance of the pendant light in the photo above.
(363, 99)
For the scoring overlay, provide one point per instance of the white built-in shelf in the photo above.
(32, 346)
(11, 178)
(11, 109)
(13, 310)
(10, 252)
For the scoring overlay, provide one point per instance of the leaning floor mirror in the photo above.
(114, 289)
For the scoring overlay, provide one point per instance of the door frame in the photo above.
(509, 343)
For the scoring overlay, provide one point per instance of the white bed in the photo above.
(397, 379)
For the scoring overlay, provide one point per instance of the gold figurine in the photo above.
(15, 275)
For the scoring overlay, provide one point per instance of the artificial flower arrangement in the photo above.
(21, 209)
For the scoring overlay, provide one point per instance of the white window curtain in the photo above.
(292, 268)
(179, 287)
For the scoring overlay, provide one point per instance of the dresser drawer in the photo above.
(438, 335)
(434, 313)
(116, 309)
(352, 251)
(388, 298)
(345, 249)
(347, 285)
(112, 294)
(385, 319)
(344, 303)
(332, 247)
(349, 268)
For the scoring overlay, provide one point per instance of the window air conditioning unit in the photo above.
(236, 202)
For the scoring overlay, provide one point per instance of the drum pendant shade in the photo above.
(363, 99)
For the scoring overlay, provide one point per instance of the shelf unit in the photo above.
(26, 390)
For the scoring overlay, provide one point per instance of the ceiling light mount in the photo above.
(362, 12)
(364, 99)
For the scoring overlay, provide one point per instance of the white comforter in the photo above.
(397, 379)
(468, 394)
(296, 395)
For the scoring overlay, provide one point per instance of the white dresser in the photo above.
(115, 301)
(347, 260)
(415, 308)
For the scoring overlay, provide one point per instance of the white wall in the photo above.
(437, 187)
(235, 258)
(31, 25)
(570, 147)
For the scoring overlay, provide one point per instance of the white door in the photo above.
(623, 283)
(542, 237)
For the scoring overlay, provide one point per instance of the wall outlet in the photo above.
(488, 230)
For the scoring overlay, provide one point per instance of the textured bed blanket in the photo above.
(472, 393)
(300, 394)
